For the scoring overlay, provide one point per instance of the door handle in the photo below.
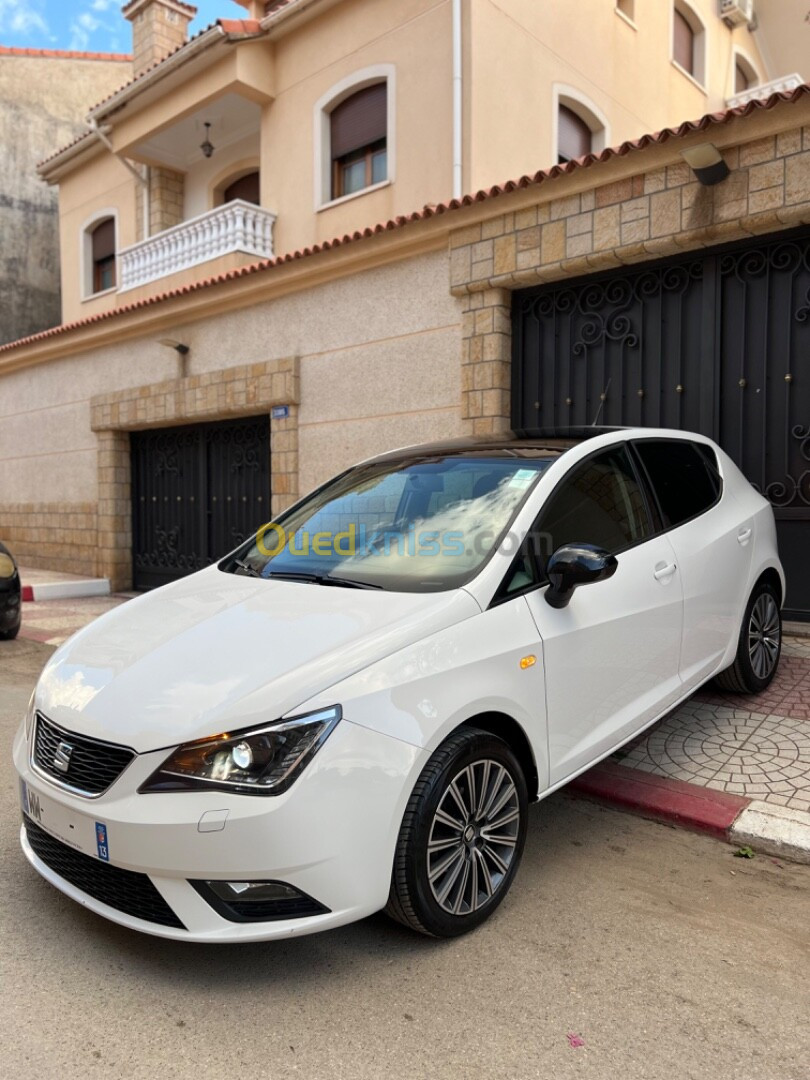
(664, 573)
(744, 535)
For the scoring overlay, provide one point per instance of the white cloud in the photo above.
(18, 17)
(101, 5)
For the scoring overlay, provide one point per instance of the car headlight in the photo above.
(259, 761)
(7, 567)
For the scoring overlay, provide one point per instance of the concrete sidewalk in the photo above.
(732, 765)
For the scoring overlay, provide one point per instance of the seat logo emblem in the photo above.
(61, 759)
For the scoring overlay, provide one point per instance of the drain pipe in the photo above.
(458, 104)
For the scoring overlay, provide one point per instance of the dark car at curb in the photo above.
(10, 595)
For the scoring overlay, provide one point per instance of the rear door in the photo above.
(712, 543)
(611, 655)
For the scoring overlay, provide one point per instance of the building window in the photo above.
(574, 136)
(245, 188)
(358, 129)
(683, 43)
(745, 76)
(627, 8)
(102, 242)
(688, 41)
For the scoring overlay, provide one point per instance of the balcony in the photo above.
(764, 90)
(236, 227)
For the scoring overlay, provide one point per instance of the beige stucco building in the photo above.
(348, 303)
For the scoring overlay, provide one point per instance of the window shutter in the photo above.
(683, 43)
(740, 79)
(104, 240)
(360, 120)
(246, 188)
(573, 135)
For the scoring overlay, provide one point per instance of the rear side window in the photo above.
(685, 480)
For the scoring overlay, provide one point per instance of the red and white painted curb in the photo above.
(66, 590)
(765, 827)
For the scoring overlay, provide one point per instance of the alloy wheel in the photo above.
(473, 837)
(764, 635)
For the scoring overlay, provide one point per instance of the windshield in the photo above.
(410, 526)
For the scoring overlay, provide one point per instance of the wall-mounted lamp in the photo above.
(207, 147)
(178, 346)
(707, 163)
(182, 353)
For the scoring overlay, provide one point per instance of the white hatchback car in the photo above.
(353, 710)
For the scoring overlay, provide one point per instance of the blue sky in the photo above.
(94, 25)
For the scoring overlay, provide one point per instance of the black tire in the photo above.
(496, 775)
(759, 645)
(8, 635)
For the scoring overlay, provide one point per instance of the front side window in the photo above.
(103, 252)
(600, 502)
(359, 140)
(413, 526)
(682, 475)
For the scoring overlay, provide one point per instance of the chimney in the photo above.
(158, 28)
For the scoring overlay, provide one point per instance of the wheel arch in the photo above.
(771, 577)
(507, 728)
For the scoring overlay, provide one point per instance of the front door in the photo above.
(611, 656)
(197, 492)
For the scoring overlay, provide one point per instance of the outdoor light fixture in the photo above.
(178, 346)
(207, 147)
(707, 163)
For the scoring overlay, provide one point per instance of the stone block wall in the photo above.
(646, 216)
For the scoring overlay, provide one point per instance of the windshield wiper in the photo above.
(320, 579)
(247, 568)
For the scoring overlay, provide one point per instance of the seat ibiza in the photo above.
(354, 709)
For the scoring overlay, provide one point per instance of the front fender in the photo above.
(423, 692)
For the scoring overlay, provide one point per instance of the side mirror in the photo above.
(573, 565)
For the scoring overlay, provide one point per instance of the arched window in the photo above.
(574, 136)
(359, 140)
(245, 188)
(688, 41)
(100, 255)
(683, 43)
(745, 75)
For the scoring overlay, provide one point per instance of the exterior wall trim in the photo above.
(250, 389)
(341, 90)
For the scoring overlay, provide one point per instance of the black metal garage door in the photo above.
(717, 342)
(197, 492)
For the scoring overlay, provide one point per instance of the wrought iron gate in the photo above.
(197, 492)
(717, 342)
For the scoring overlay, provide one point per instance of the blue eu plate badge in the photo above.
(101, 842)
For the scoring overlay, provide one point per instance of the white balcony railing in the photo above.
(237, 226)
(764, 90)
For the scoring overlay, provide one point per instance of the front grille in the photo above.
(92, 765)
(124, 890)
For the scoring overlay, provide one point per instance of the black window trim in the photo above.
(713, 471)
(501, 596)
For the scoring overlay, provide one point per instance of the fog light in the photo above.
(252, 891)
(257, 901)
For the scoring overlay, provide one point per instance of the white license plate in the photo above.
(78, 831)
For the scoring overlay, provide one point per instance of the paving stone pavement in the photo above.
(758, 747)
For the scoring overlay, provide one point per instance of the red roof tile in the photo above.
(62, 54)
(658, 138)
(240, 26)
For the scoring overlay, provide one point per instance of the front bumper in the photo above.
(331, 836)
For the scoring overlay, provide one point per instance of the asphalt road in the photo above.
(656, 950)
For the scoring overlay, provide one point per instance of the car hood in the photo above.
(216, 652)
